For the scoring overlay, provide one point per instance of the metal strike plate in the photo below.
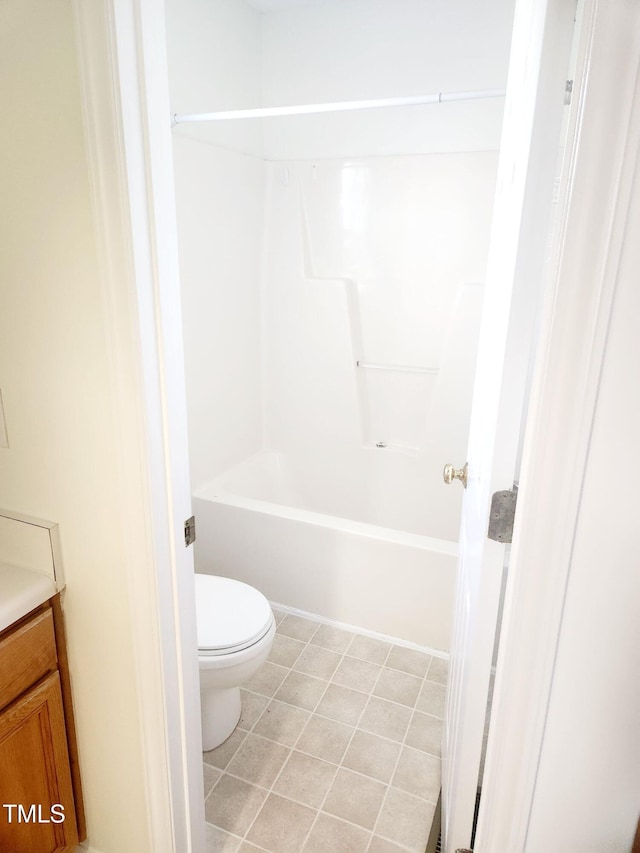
(502, 515)
(189, 531)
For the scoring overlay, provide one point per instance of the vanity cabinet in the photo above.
(40, 794)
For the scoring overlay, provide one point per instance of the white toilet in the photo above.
(236, 628)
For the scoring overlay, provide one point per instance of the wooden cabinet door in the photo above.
(35, 777)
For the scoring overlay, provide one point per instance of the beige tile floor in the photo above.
(337, 749)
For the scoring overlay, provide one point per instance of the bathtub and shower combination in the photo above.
(347, 542)
(339, 510)
(330, 271)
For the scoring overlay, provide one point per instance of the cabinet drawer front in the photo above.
(26, 654)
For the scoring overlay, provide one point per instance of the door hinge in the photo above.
(502, 515)
(190, 531)
(568, 89)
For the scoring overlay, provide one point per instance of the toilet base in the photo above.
(220, 711)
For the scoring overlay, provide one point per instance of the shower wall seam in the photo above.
(262, 301)
(327, 158)
(350, 288)
(228, 149)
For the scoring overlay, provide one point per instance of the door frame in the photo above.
(121, 44)
(125, 109)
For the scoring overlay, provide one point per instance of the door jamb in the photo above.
(124, 95)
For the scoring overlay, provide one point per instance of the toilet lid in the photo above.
(230, 615)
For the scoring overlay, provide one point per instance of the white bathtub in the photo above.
(343, 537)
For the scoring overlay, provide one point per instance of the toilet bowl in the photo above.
(236, 628)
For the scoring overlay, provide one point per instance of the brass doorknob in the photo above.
(449, 474)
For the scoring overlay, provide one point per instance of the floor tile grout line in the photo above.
(318, 678)
(434, 654)
(271, 698)
(336, 720)
(226, 832)
(329, 720)
(402, 747)
(297, 802)
(341, 655)
(277, 776)
(269, 792)
(433, 659)
(239, 838)
(429, 667)
(288, 705)
(354, 637)
(413, 709)
(403, 744)
(346, 749)
(313, 712)
(294, 747)
(223, 770)
(270, 789)
(291, 749)
(384, 797)
(383, 698)
(395, 642)
(317, 758)
(360, 660)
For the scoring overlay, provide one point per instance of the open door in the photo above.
(531, 142)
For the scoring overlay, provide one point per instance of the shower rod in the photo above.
(339, 106)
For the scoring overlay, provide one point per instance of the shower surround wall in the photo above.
(308, 244)
(377, 261)
(214, 53)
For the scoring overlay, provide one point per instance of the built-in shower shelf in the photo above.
(398, 368)
(400, 447)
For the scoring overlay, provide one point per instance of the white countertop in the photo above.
(21, 590)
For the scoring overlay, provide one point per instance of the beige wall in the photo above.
(60, 405)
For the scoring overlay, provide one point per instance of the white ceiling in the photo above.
(276, 5)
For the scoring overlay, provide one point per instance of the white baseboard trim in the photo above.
(396, 641)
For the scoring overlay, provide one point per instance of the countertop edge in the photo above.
(21, 591)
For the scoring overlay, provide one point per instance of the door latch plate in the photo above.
(502, 515)
(189, 531)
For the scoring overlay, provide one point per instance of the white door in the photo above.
(535, 101)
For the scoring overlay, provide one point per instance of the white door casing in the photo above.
(540, 58)
(144, 96)
(124, 90)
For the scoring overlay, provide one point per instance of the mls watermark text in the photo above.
(33, 813)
